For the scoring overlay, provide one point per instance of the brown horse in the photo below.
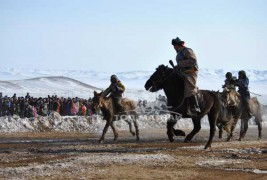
(234, 110)
(105, 104)
(173, 85)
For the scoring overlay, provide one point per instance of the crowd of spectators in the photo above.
(29, 106)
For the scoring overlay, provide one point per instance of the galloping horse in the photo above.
(233, 102)
(108, 110)
(173, 85)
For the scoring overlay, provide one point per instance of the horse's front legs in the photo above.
(170, 124)
(212, 121)
(101, 140)
(230, 136)
(116, 135)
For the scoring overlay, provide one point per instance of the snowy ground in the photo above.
(52, 155)
(92, 124)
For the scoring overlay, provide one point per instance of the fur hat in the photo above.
(228, 74)
(242, 72)
(177, 41)
(114, 78)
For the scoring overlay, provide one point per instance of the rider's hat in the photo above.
(177, 41)
(242, 72)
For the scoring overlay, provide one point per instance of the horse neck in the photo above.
(106, 104)
(171, 89)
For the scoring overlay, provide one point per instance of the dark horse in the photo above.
(173, 85)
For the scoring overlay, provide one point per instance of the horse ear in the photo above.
(95, 93)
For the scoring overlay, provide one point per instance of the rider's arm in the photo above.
(121, 87)
(107, 91)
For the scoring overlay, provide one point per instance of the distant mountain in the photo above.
(83, 83)
(17, 73)
(43, 86)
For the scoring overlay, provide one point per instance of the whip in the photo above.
(254, 93)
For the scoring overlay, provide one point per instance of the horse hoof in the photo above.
(115, 138)
(101, 141)
(133, 134)
(207, 147)
(137, 139)
(178, 132)
(240, 139)
(171, 140)
(186, 141)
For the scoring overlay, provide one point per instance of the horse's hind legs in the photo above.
(136, 130)
(116, 135)
(130, 127)
(259, 123)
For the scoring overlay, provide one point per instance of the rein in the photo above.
(161, 81)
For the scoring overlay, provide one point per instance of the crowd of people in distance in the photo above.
(30, 106)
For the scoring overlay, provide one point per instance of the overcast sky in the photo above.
(126, 35)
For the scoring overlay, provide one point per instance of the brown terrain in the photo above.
(52, 155)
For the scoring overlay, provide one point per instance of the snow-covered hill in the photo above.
(82, 83)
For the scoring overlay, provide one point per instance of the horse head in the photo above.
(230, 97)
(157, 79)
(97, 101)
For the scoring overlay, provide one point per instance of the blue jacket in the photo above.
(242, 85)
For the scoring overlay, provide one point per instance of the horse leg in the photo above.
(136, 128)
(220, 131)
(230, 136)
(259, 123)
(243, 129)
(101, 140)
(212, 121)
(196, 129)
(170, 124)
(130, 127)
(236, 115)
(220, 127)
(116, 135)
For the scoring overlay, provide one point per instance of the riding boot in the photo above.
(192, 106)
(119, 107)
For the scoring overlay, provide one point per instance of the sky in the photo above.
(129, 35)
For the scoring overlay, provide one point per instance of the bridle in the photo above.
(160, 81)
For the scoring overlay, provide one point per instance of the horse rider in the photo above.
(229, 81)
(187, 66)
(242, 83)
(115, 90)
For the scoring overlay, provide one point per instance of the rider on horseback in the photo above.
(242, 83)
(115, 89)
(187, 66)
(229, 81)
